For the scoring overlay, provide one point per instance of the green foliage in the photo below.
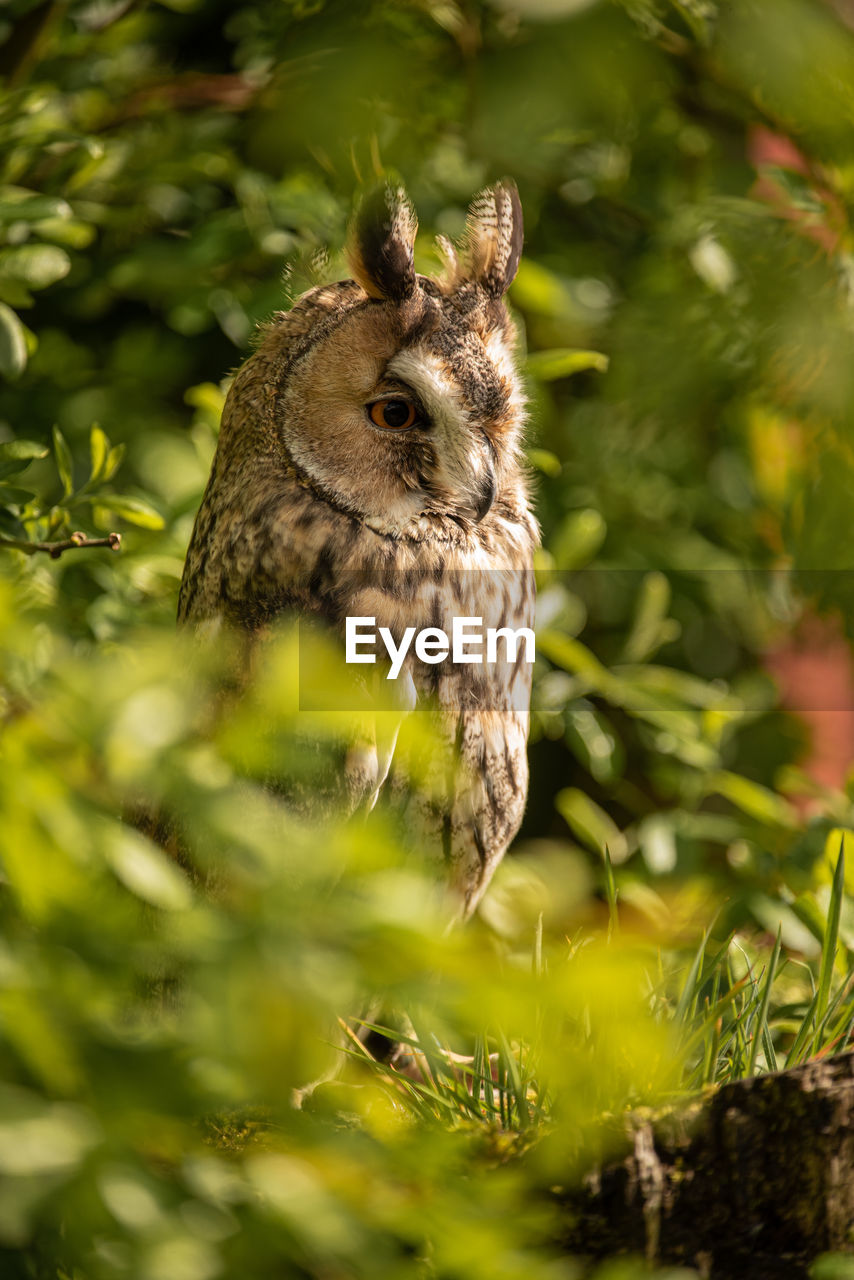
(672, 918)
(158, 1018)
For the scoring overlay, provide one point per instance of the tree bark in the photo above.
(756, 1181)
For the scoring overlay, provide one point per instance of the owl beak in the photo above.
(486, 494)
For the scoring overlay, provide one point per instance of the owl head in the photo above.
(394, 395)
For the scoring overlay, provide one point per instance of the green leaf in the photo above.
(22, 449)
(15, 293)
(35, 265)
(592, 825)
(577, 539)
(19, 205)
(549, 366)
(772, 914)
(144, 869)
(698, 17)
(691, 985)
(99, 449)
(753, 799)
(593, 740)
(13, 344)
(651, 626)
(38, 1136)
(796, 1054)
(807, 910)
(134, 510)
(64, 464)
(16, 456)
(11, 525)
(611, 894)
(514, 1077)
(67, 231)
(680, 686)
(837, 838)
(114, 461)
(678, 721)
(11, 493)
(545, 461)
(541, 291)
(760, 1029)
(207, 397)
(830, 941)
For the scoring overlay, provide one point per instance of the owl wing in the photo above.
(487, 799)
(459, 799)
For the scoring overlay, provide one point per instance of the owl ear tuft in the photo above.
(494, 235)
(381, 244)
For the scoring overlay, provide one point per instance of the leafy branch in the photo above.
(31, 525)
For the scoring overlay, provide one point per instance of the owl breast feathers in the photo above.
(368, 466)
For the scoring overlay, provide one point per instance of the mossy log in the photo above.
(755, 1181)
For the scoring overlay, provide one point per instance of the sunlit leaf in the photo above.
(41, 1137)
(36, 265)
(147, 872)
(547, 366)
(113, 461)
(758, 801)
(830, 940)
(578, 538)
(99, 448)
(591, 823)
(16, 456)
(594, 741)
(64, 462)
(208, 398)
(20, 205)
(544, 461)
(13, 345)
(135, 510)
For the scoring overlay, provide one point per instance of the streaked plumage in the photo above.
(317, 503)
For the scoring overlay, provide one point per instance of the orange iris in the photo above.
(393, 415)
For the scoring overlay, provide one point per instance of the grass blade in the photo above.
(795, 1054)
(761, 1023)
(516, 1092)
(488, 1086)
(830, 943)
(768, 1046)
(537, 957)
(711, 1068)
(611, 893)
(689, 991)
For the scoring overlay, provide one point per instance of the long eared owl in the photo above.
(368, 467)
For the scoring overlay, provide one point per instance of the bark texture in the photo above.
(755, 1182)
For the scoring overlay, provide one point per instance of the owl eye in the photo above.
(394, 415)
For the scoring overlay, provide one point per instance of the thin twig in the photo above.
(77, 541)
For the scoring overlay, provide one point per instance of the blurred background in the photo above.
(170, 175)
